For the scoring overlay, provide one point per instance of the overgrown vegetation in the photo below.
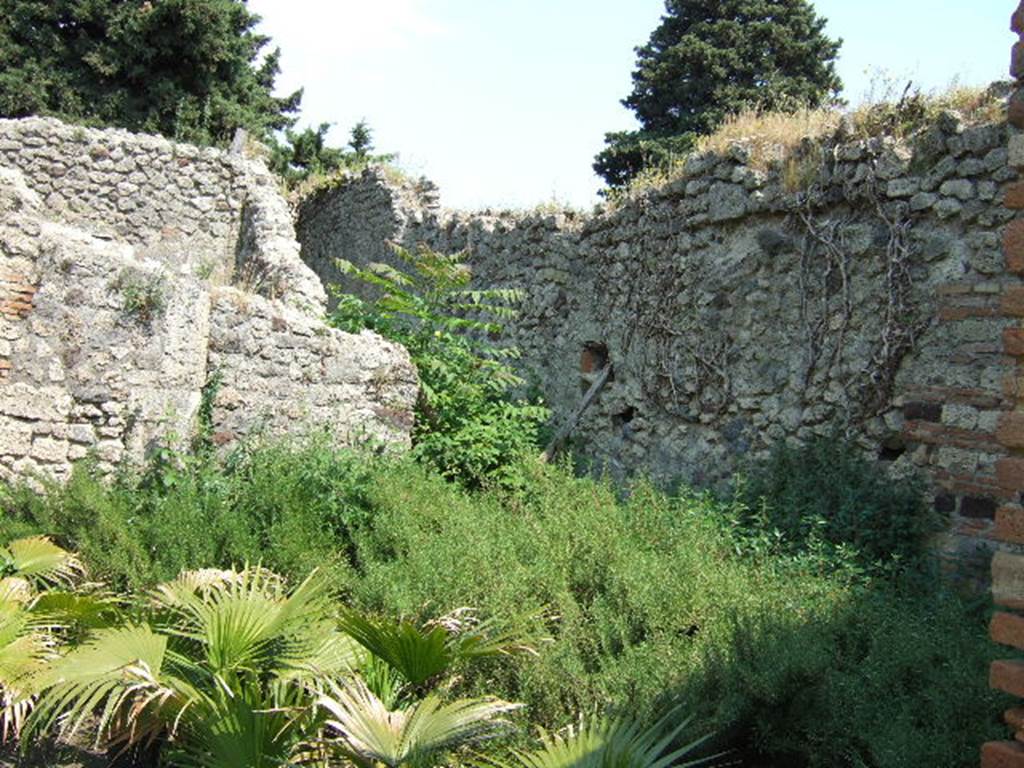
(790, 141)
(826, 491)
(793, 655)
(305, 162)
(470, 425)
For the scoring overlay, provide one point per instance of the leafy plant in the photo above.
(421, 654)
(362, 729)
(827, 489)
(469, 425)
(619, 742)
(144, 295)
(34, 623)
(223, 663)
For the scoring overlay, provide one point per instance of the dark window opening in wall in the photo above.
(593, 359)
(892, 449)
(620, 420)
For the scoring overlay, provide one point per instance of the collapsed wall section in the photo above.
(860, 284)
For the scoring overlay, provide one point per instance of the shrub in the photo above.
(827, 489)
(794, 659)
(230, 667)
(797, 661)
(469, 426)
(288, 505)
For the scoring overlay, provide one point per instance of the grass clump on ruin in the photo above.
(644, 601)
(143, 294)
(784, 141)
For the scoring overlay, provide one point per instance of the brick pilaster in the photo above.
(1007, 626)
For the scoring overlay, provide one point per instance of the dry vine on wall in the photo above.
(827, 306)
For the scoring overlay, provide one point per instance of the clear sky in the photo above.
(504, 103)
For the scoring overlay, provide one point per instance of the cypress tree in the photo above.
(711, 58)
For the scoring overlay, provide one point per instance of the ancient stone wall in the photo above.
(108, 335)
(858, 282)
(203, 212)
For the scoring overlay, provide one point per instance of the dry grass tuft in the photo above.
(792, 142)
(771, 136)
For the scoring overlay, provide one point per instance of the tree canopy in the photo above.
(710, 58)
(188, 69)
(305, 154)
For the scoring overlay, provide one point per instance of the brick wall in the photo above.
(1007, 627)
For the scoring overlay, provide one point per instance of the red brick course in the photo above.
(1007, 629)
(16, 295)
(1002, 754)
(1008, 676)
(1010, 524)
(1010, 432)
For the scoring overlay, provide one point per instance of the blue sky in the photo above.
(504, 103)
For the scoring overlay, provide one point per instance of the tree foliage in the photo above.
(710, 58)
(187, 69)
(305, 154)
(469, 423)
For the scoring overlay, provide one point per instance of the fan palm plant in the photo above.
(37, 613)
(231, 668)
(363, 730)
(614, 742)
(225, 665)
(421, 654)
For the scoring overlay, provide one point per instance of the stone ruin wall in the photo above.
(133, 273)
(865, 284)
(199, 211)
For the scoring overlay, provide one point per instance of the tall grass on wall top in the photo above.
(469, 425)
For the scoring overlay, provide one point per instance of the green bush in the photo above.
(800, 661)
(286, 505)
(796, 659)
(469, 425)
(827, 490)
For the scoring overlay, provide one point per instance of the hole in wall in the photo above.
(593, 359)
(892, 448)
(620, 420)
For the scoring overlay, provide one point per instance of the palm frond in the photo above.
(253, 725)
(417, 654)
(364, 730)
(36, 558)
(76, 610)
(25, 649)
(470, 637)
(116, 676)
(613, 742)
(247, 620)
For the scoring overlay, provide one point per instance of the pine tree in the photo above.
(361, 139)
(711, 58)
(188, 69)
